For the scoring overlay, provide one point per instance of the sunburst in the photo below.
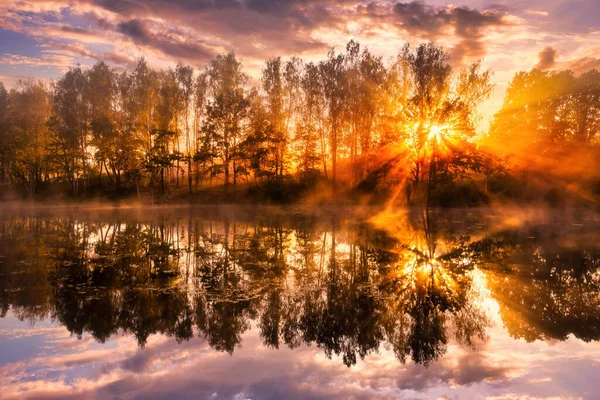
(437, 133)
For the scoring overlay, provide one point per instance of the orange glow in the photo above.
(437, 133)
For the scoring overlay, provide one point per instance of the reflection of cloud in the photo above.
(19, 333)
(69, 368)
(458, 368)
(165, 370)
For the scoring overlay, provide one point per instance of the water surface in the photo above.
(255, 303)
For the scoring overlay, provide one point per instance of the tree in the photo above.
(366, 76)
(29, 109)
(273, 86)
(225, 112)
(438, 114)
(165, 135)
(101, 96)
(310, 138)
(69, 124)
(543, 109)
(6, 139)
(201, 153)
(141, 99)
(184, 75)
(334, 80)
(292, 81)
(552, 121)
(261, 147)
(347, 118)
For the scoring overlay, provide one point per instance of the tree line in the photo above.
(349, 121)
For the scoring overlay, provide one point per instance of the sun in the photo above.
(440, 137)
(436, 133)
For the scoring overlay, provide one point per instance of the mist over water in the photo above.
(135, 302)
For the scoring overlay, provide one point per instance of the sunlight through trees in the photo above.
(351, 122)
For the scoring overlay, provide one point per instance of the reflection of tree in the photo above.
(345, 287)
(551, 289)
(119, 282)
(546, 278)
(24, 285)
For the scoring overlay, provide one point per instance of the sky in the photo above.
(43, 38)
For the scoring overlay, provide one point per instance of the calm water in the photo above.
(232, 303)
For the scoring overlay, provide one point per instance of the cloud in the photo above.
(194, 31)
(115, 57)
(52, 60)
(509, 37)
(584, 64)
(274, 6)
(466, 25)
(170, 42)
(547, 58)
(66, 32)
(263, 28)
(79, 50)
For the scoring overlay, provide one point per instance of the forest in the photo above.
(351, 128)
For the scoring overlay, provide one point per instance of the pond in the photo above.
(267, 303)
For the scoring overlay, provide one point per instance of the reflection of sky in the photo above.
(45, 361)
